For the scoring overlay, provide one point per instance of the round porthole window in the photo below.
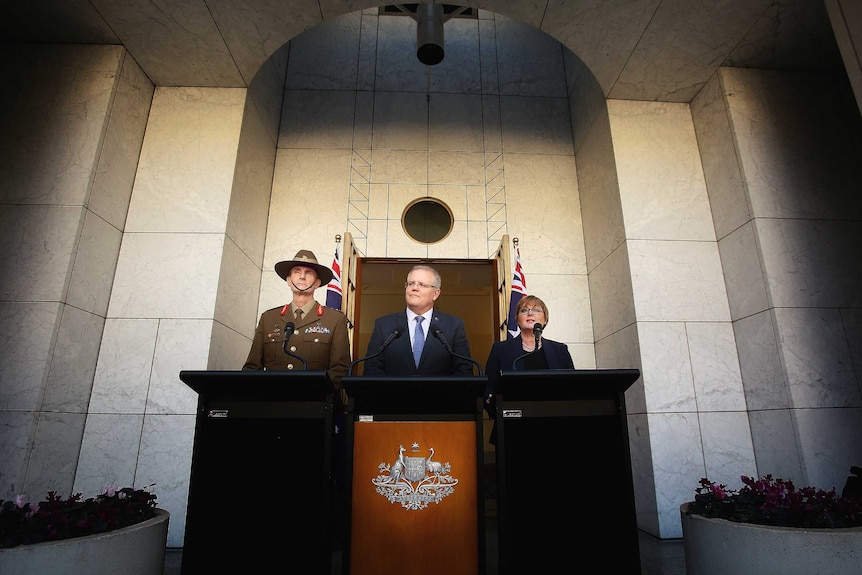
(427, 220)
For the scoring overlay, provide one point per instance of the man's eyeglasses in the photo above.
(420, 284)
(526, 310)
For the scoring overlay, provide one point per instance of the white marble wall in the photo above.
(785, 200)
(71, 138)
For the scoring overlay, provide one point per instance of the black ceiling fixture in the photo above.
(429, 26)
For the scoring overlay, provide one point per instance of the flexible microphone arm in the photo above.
(537, 330)
(289, 328)
(396, 333)
(437, 332)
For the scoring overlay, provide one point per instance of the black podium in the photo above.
(433, 520)
(564, 480)
(260, 487)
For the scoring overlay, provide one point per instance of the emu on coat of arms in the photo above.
(414, 482)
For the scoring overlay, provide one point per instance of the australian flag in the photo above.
(519, 290)
(333, 288)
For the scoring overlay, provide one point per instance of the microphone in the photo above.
(437, 332)
(537, 331)
(289, 328)
(396, 333)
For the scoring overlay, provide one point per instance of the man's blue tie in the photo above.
(418, 340)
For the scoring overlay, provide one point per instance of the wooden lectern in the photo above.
(414, 464)
(260, 487)
(564, 480)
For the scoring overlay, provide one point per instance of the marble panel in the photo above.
(363, 121)
(173, 42)
(587, 103)
(187, 161)
(675, 66)
(400, 245)
(397, 68)
(461, 70)
(662, 189)
(376, 239)
(542, 195)
(530, 61)
(19, 427)
(400, 121)
(455, 245)
(454, 197)
(583, 354)
(125, 364)
(677, 281)
(181, 344)
(165, 462)
(796, 167)
(157, 272)
(94, 265)
(456, 122)
(643, 478)
(678, 465)
(715, 367)
(251, 191)
(266, 92)
(831, 443)
(721, 169)
(598, 190)
(567, 298)
(477, 209)
(228, 349)
(325, 57)
(488, 59)
(852, 319)
(124, 135)
(611, 295)
(602, 34)
(109, 451)
(776, 443)
(760, 362)
(492, 130)
(666, 374)
(307, 184)
(52, 131)
(28, 339)
(378, 203)
(367, 59)
(743, 272)
(728, 450)
(401, 167)
(805, 262)
(53, 461)
(400, 197)
(73, 363)
(317, 119)
(36, 240)
(621, 350)
(478, 246)
(820, 370)
(456, 168)
(238, 289)
(534, 125)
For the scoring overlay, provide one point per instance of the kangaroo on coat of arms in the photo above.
(414, 482)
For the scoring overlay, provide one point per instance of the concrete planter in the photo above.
(719, 547)
(135, 550)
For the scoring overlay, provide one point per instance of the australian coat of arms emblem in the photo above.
(414, 481)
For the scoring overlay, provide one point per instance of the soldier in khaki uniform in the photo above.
(320, 335)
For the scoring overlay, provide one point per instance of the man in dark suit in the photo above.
(422, 289)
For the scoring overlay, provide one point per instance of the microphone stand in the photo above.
(392, 337)
(288, 333)
(437, 332)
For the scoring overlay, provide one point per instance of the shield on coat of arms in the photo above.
(415, 468)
